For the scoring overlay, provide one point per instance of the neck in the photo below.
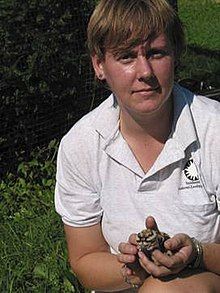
(155, 126)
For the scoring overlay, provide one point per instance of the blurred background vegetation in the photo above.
(202, 24)
(46, 85)
(201, 19)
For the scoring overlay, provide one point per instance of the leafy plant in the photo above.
(43, 70)
(33, 250)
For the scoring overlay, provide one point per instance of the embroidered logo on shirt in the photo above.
(190, 178)
(190, 171)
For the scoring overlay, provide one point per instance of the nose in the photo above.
(144, 69)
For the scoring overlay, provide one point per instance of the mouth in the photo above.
(148, 90)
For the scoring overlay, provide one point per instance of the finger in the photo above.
(177, 260)
(133, 239)
(151, 223)
(144, 262)
(185, 247)
(153, 269)
(126, 271)
(177, 242)
(126, 258)
(127, 248)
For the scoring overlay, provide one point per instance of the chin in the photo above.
(149, 108)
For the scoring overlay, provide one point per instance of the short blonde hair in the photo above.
(118, 25)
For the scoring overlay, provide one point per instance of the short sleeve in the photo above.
(76, 196)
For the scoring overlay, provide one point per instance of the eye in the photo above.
(156, 54)
(127, 57)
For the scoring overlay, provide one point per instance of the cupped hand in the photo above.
(128, 250)
(183, 252)
(180, 245)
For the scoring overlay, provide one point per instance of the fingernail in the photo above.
(140, 254)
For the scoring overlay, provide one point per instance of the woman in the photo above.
(151, 148)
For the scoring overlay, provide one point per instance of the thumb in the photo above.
(151, 223)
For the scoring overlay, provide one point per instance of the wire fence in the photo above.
(46, 80)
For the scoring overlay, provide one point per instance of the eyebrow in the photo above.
(165, 47)
(162, 48)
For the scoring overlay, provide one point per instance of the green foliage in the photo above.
(33, 251)
(38, 54)
(201, 19)
(34, 183)
(200, 67)
(42, 71)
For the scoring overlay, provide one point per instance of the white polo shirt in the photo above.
(99, 179)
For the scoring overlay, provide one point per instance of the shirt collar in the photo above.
(107, 121)
(183, 129)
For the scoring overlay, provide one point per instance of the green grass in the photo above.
(202, 26)
(33, 249)
(202, 22)
(33, 255)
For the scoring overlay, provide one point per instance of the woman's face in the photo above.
(142, 78)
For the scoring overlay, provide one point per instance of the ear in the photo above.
(98, 67)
